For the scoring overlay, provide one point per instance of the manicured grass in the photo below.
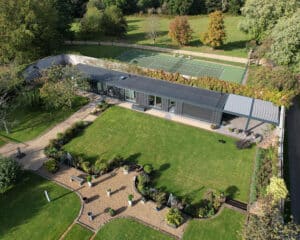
(29, 122)
(189, 160)
(228, 225)
(78, 232)
(196, 67)
(234, 46)
(26, 215)
(185, 66)
(127, 229)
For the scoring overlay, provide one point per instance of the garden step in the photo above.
(237, 204)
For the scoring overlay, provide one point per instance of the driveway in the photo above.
(293, 130)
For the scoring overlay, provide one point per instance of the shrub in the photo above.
(50, 151)
(206, 211)
(9, 172)
(51, 165)
(160, 197)
(89, 178)
(277, 189)
(130, 197)
(174, 217)
(100, 166)
(213, 126)
(115, 162)
(111, 212)
(143, 178)
(148, 168)
(243, 144)
(86, 166)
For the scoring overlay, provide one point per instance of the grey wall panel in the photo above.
(165, 104)
(193, 111)
(142, 99)
(178, 109)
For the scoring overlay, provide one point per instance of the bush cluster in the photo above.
(51, 165)
(9, 172)
(206, 208)
(174, 217)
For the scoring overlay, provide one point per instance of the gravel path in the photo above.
(34, 149)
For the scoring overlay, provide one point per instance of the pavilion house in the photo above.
(197, 103)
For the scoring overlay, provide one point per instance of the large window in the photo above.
(154, 101)
(130, 95)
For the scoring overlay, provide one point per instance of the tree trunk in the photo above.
(5, 127)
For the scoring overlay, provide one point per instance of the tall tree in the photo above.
(114, 22)
(59, 86)
(285, 42)
(262, 15)
(28, 29)
(91, 22)
(180, 30)
(215, 36)
(10, 84)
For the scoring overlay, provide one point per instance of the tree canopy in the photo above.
(285, 41)
(262, 15)
(29, 29)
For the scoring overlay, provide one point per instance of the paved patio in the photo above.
(121, 186)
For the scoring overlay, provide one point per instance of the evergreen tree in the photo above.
(215, 36)
(213, 5)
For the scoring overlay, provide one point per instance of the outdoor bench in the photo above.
(77, 179)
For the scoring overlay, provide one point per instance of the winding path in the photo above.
(34, 149)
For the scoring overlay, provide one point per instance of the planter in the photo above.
(90, 184)
(129, 203)
(125, 171)
(85, 199)
(144, 200)
(108, 193)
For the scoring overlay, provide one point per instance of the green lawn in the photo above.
(78, 232)
(189, 160)
(127, 229)
(234, 46)
(29, 122)
(228, 225)
(26, 215)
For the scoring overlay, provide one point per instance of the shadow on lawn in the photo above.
(25, 201)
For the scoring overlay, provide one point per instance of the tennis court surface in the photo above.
(183, 64)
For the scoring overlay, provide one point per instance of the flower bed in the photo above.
(207, 207)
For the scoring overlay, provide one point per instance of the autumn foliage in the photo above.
(215, 36)
(180, 30)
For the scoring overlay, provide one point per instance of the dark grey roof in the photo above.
(253, 108)
(192, 95)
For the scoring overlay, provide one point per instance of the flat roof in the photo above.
(252, 108)
(193, 95)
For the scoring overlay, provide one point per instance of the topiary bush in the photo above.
(51, 165)
(9, 172)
